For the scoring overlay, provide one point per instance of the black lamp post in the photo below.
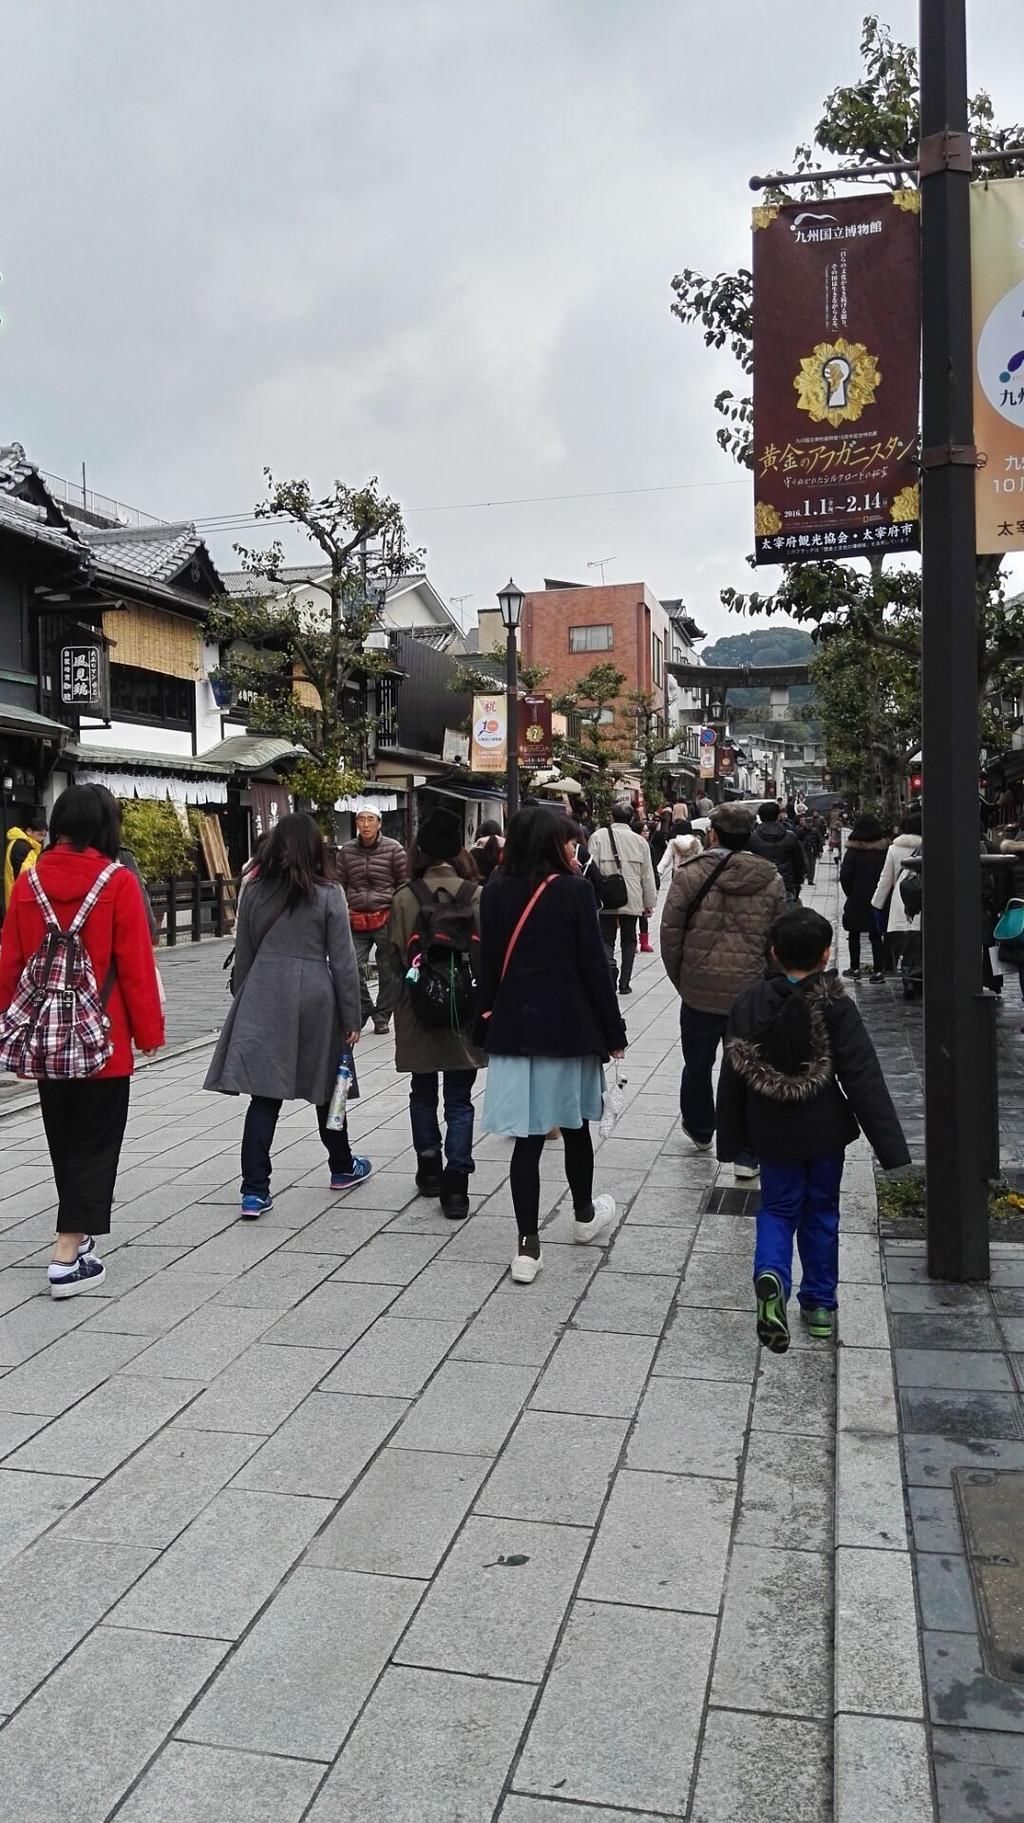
(510, 601)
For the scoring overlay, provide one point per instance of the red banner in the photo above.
(535, 738)
(836, 371)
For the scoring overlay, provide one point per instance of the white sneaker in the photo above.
(699, 1145)
(744, 1174)
(603, 1217)
(525, 1268)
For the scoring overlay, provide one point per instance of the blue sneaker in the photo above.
(84, 1274)
(346, 1180)
(255, 1206)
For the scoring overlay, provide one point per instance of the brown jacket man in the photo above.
(370, 870)
(711, 956)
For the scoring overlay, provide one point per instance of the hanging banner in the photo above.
(837, 334)
(488, 745)
(997, 271)
(535, 737)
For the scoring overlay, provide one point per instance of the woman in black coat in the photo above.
(859, 875)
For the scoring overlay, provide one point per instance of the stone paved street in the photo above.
(324, 1518)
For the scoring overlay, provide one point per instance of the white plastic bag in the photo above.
(614, 1102)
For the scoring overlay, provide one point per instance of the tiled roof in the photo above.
(243, 582)
(158, 553)
(30, 522)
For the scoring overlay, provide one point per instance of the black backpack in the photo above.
(441, 957)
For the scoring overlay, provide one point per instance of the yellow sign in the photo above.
(997, 262)
(488, 746)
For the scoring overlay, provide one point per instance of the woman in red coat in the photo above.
(85, 1118)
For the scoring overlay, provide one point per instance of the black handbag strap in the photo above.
(615, 847)
(713, 875)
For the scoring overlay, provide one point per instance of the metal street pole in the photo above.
(960, 1080)
(512, 733)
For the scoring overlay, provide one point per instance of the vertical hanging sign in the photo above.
(997, 280)
(837, 319)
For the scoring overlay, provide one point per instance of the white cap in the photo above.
(367, 810)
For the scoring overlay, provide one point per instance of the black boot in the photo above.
(454, 1195)
(428, 1174)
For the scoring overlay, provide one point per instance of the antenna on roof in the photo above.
(599, 564)
(456, 602)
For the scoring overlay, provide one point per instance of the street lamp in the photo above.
(510, 601)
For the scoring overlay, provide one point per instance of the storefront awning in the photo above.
(178, 778)
(16, 720)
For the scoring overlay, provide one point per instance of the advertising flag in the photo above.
(837, 317)
(997, 274)
(535, 737)
(488, 745)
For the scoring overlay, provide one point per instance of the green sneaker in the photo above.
(772, 1321)
(819, 1321)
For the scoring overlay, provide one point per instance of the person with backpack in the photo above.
(435, 946)
(629, 889)
(78, 918)
(548, 1020)
(295, 1014)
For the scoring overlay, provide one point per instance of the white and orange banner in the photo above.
(997, 267)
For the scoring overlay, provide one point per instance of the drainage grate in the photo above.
(732, 1202)
(991, 1503)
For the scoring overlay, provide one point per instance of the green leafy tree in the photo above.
(869, 700)
(303, 670)
(485, 675)
(602, 750)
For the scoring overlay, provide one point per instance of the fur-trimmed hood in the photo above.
(764, 1078)
(881, 846)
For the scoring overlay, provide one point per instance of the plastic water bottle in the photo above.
(339, 1099)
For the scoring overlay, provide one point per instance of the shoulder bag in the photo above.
(613, 891)
(229, 960)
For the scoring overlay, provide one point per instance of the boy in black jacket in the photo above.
(800, 1079)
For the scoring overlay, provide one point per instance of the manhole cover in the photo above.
(733, 1202)
(992, 1512)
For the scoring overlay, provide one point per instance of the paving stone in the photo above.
(259, 1389)
(289, 1689)
(95, 1437)
(656, 1250)
(201, 1346)
(797, 1393)
(333, 1316)
(866, 1399)
(223, 1567)
(394, 1358)
(50, 1596)
(539, 1810)
(877, 1666)
(17, 1286)
(964, 1415)
(323, 1446)
(930, 1461)
(1011, 1330)
(692, 1428)
(449, 1289)
(945, 1594)
(869, 1491)
(486, 1237)
(663, 1542)
(881, 1770)
(619, 1717)
(597, 1374)
(407, 1757)
(279, 1282)
(760, 1664)
(77, 1746)
(341, 1231)
(978, 1775)
(522, 1329)
(719, 1281)
(194, 1225)
(469, 1407)
(496, 1606)
(952, 1330)
(627, 1303)
(29, 1504)
(236, 1249)
(66, 1372)
(786, 1497)
(859, 1260)
(208, 1785)
(871, 1329)
(15, 1429)
(30, 1328)
(390, 1259)
(708, 1345)
(150, 1499)
(400, 1519)
(935, 1520)
(731, 1786)
(958, 1370)
(934, 1295)
(557, 1467)
(962, 1693)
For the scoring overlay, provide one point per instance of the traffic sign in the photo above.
(707, 737)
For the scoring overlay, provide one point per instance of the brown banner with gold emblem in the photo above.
(836, 364)
(535, 741)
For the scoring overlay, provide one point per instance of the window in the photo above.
(150, 696)
(657, 659)
(590, 639)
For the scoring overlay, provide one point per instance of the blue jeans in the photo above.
(458, 1117)
(701, 1034)
(802, 1200)
(258, 1137)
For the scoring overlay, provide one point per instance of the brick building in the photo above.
(570, 627)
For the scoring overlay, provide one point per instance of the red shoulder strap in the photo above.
(514, 939)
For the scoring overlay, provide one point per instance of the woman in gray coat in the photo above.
(296, 1004)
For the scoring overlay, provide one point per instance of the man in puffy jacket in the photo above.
(24, 846)
(712, 951)
(371, 869)
(774, 842)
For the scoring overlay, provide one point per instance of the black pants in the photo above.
(623, 926)
(877, 949)
(85, 1123)
(258, 1137)
(524, 1174)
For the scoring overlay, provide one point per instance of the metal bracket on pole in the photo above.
(950, 455)
(945, 151)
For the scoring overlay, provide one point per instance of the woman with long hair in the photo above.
(548, 1020)
(296, 1004)
(85, 1117)
(859, 875)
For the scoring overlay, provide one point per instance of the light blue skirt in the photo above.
(527, 1095)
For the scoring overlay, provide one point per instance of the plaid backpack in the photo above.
(56, 1027)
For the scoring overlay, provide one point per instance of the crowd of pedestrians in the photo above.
(511, 956)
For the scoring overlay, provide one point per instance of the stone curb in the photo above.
(880, 1740)
(17, 1104)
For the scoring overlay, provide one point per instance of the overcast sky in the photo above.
(428, 239)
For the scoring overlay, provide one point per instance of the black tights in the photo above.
(524, 1174)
